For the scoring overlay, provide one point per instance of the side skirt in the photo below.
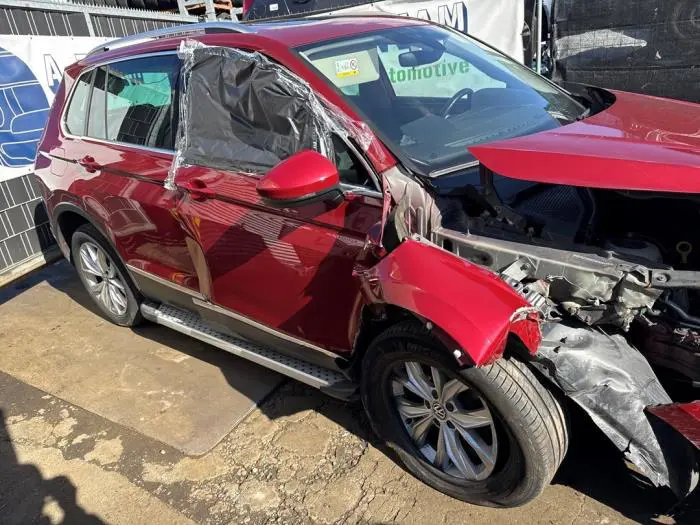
(160, 290)
(332, 382)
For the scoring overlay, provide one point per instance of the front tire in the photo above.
(490, 435)
(104, 277)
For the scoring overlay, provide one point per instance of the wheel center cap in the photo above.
(439, 411)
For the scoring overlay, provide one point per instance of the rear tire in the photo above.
(104, 277)
(531, 435)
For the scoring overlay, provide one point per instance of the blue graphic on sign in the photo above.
(24, 109)
(53, 73)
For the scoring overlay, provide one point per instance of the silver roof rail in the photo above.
(167, 32)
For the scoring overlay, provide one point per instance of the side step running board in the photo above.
(189, 323)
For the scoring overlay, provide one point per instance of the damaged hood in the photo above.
(638, 143)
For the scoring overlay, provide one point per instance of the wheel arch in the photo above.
(472, 311)
(375, 321)
(66, 219)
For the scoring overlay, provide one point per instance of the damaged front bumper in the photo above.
(618, 389)
(677, 427)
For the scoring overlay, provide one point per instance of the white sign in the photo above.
(31, 68)
(499, 23)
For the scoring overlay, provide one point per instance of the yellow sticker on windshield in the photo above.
(347, 67)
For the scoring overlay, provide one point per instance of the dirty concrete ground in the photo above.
(136, 378)
(298, 458)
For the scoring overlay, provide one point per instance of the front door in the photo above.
(284, 271)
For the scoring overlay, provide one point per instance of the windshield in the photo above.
(431, 93)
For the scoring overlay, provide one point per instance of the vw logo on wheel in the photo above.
(439, 411)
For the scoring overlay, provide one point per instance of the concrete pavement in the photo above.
(74, 449)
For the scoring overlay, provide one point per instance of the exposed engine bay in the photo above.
(613, 274)
(628, 262)
(620, 260)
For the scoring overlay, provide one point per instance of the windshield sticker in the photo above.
(348, 67)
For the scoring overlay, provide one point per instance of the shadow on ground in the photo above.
(593, 465)
(25, 493)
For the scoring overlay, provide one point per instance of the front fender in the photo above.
(470, 304)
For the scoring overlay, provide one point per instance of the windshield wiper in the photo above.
(452, 169)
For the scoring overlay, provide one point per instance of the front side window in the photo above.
(243, 114)
(431, 93)
(247, 114)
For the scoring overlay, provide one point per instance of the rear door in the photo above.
(119, 136)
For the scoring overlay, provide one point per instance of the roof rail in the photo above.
(178, 30)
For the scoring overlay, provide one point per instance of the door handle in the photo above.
(89, 164)
(197, 188)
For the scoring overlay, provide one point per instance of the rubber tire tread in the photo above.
(132, 316)
(511, 387)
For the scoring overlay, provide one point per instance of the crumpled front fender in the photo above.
(471, 305)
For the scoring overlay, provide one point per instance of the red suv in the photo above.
(384, 207)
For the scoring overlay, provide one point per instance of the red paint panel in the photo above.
(125, 197)
(685, 418)
(290, 269)
(471, 305)
(129, 194)
(303, 174)
(639, 143)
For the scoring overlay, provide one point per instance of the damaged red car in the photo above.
(387, 209)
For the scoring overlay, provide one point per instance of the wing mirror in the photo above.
(305, 177)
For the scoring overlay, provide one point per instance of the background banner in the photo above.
(497, 22)
(31, 68)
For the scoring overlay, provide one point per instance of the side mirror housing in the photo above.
(305, 177)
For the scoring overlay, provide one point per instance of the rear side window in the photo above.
(132, 102)
(77, 111)
(96, 118)
(141, 101)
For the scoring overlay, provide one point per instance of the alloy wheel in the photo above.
(448, 422)
(102, 278)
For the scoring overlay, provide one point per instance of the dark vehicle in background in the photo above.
(645, 46)
(461, 255)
